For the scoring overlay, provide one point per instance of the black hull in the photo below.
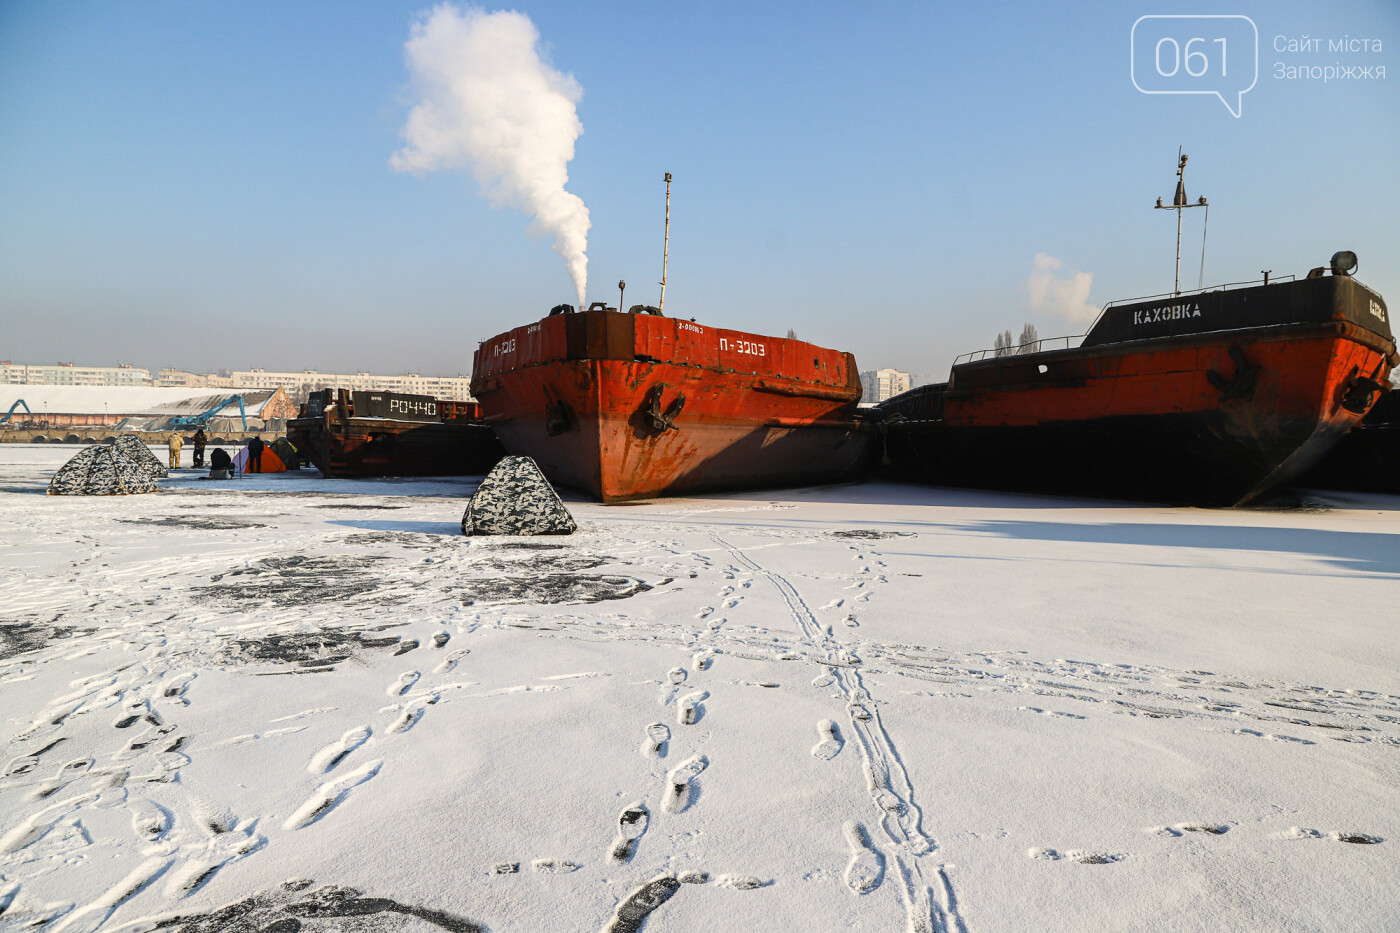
(1195, 458)
(1367, 459)
(364, 447)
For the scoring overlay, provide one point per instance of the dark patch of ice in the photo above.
(551, 588)
(203, 524)
(867, 534)
(315, 648)
(292, 908)
(297, 580)
(21, 637)
(357, 505)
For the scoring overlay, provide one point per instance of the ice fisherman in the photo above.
(199, 441)
(255, 451)
(176, 442)
(220, 464)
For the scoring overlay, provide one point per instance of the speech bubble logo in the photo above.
(1180, 54)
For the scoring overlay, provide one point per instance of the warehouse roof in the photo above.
(122, 400)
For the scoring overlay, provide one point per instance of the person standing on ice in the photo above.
(176, 442)
(199, 441)
(255, 449)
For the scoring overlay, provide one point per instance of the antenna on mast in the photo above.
(666, 247)
(1179, 204)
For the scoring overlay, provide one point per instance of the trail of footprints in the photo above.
(143, 702)
(182, 852)
(679, 784)
(891, 792)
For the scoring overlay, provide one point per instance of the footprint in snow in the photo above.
(406, 646)
(93, 915)
(676, 675)
(175, 689)
(1050, 712)
(553, 866)
(654, 744)
(202, 860)
(1362, 839)
(1075, 855)
(678, 790)
(689, 710)
(64, 775)
(450, 662)
(440, 639)
(410, 714)
(1298, 832)
(336, 752)
(1176, 830)
(329, 795)
(829, 744)
(401, 686)
(866, 868)
(741, 882)
(1273, 738)
(21, 765)
(149, 820)
(631, 825)
(629, 915)
(701, 661)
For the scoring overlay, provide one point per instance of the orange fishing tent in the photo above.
(269, 462)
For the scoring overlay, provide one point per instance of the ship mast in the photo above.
(666, 246)
(1179, 204)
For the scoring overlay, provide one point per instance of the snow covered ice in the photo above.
(288, 703)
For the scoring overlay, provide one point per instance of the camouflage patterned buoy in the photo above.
(516, 499)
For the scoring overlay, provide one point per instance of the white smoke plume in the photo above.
(486, 101)
(1063, 297)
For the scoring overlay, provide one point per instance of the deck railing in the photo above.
(1057, 343)
(1035, 346)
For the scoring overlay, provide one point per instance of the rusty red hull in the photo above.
(634, 406)
(1212, 417)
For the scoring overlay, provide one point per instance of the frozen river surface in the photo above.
(287, 703)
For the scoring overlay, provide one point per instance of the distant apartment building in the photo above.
(70, 374)
(879, 384)
(299, 384)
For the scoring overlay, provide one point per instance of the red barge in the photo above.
(635, 405)
(1207, 398)
(355, 434)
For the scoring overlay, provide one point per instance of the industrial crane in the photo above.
(201, 420)
(18, 403)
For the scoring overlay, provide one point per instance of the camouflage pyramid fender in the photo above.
(516, 499)
(138, 453)
(100, 471)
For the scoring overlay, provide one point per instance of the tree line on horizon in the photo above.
(1005, 345)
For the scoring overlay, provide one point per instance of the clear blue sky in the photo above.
(206, 185)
